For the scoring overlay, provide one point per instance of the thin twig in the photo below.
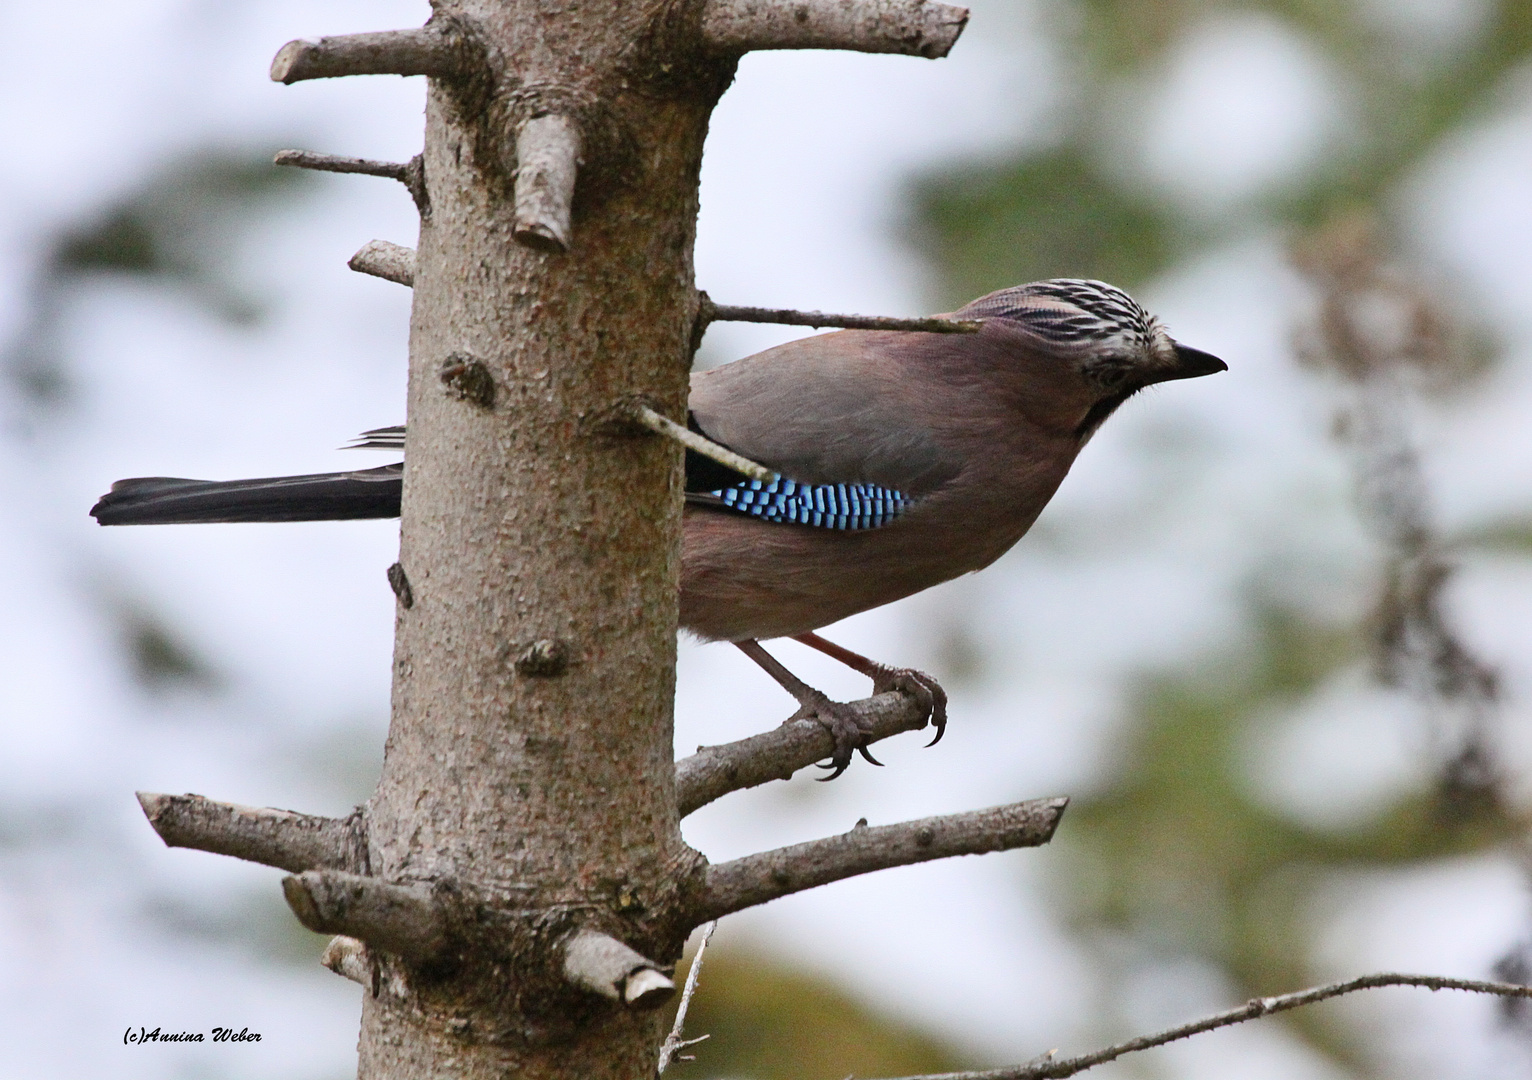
(714, 771)
(758, 879)
(410, 173)
(1255, 1007)
(281, 838)
(308, 159)
(673, 1042)
(661, 425)
(711, 312)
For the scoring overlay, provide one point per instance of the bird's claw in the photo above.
(842, 722)
(926, 691)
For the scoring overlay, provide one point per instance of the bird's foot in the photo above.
(844, 725)
(926, 691)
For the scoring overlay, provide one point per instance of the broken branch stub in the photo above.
(347, 957)
(391, 262)
(757, 879)
(911, 27)
(426, 50)
(603, 965)
(408, 920)
(489, 804)
(547, 164)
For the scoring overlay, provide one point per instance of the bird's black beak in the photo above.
(1194, 363)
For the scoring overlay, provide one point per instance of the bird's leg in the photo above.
(926, 690)
(836, 718)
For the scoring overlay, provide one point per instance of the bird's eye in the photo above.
(1108, 371)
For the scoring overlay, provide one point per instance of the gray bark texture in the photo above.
(538, 802)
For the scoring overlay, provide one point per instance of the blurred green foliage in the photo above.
(1074, 207)
(1175, 853)
(1177, 859)
(1509, 536)
(1051, 215)
(160, 657)
(770, 1022)
(1181, 856)
(180, 228)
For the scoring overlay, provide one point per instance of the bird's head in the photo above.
(1101, 334)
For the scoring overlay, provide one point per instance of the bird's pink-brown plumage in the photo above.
(980, 432)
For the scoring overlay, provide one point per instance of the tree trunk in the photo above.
(540, 776)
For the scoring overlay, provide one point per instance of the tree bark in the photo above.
(538, 520)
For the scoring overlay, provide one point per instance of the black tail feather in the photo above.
(163, 500)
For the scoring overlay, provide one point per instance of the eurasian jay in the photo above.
(903, 460)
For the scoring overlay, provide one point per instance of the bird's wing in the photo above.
(830, 506)
(831, 409)
(826, 413)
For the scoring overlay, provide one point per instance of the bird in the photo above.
(900, 460)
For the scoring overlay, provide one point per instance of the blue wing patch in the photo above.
(828, 506)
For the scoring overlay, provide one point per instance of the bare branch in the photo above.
(308, 159)
(757, 879)
(428, 50)
(403, 919)
(547, 162)
(912, 27)
(391, 262)
(661, 425)
(673, 1042)
(709, 312)
(410, 173)
(605, 966)
(1050, 1069)
(346, 956)
(280, 838)
(714, 771)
